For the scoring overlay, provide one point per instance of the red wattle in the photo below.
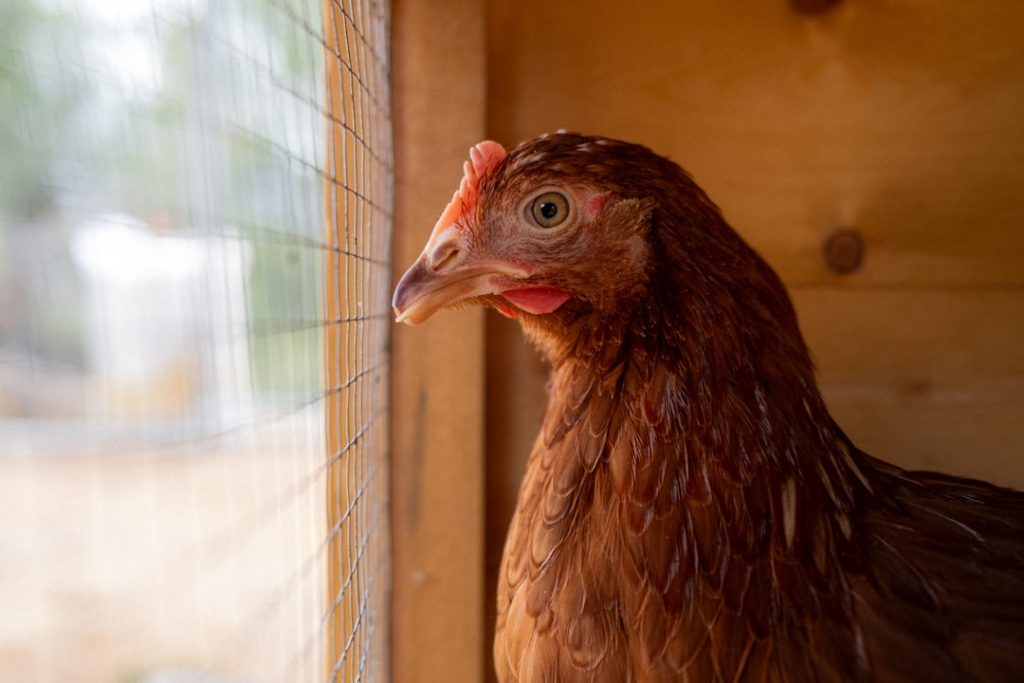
(507, 311)
(537, 300)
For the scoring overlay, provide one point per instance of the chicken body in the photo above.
(690, 511)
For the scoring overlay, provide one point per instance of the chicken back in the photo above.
(690, 511)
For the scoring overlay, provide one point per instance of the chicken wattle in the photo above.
(690, 510)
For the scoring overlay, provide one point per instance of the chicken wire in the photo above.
(194, 241)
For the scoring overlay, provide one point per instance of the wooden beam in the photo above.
(357, 191)
(438, 369)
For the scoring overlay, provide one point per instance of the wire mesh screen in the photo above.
(194, 239)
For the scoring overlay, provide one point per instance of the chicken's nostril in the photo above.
(445, 259)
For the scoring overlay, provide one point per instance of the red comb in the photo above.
(483, 159)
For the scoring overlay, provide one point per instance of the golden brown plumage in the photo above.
(690, 511)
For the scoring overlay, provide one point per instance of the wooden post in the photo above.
(438, 73)
(357, 186)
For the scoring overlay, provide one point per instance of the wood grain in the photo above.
(925, 379)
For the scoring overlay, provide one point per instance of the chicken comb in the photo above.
(483, 159)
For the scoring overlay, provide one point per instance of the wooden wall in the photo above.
(901, 119)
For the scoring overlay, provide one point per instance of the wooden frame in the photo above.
(357, 480)
(438, 369)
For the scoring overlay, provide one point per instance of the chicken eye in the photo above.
(549, 209)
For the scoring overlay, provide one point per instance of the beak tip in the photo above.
(402, 308)
(409, 291)
(403, 317)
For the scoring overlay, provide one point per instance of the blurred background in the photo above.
(194, 236)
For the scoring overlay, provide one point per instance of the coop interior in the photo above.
(222, 461)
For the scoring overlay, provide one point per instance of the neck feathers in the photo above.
(735, 448)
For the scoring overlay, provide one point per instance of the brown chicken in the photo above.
(690, 511)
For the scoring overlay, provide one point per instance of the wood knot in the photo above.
(844, 251)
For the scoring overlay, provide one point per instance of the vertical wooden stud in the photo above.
(438, 368)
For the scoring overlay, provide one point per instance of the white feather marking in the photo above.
(529, 159)
(828, 484)
(844, 524)
(789, 510)
(852, 464)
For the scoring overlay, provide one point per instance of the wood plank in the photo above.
(979, 439)
(901, 119)
(925, 379)
(438, 396)
(340, 362)
(357, 194)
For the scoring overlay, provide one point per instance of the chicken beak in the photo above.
(422, 292)
(445, 274)
(439, 277)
